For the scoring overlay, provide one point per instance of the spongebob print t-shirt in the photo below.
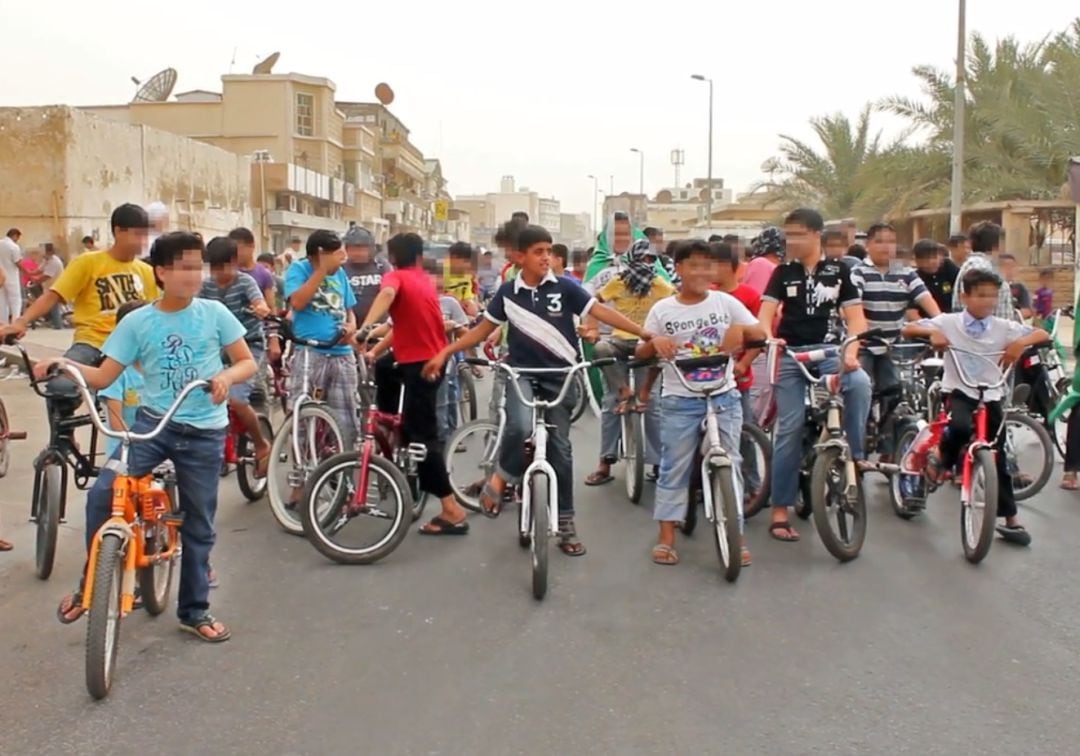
(698, 330)
(95, 284)
(324, 316)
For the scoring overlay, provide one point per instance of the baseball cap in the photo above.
(358, 236)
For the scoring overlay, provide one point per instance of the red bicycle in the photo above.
(240, 453)
(979, 479)
(375, 489)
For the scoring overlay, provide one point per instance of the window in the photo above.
(305, 114)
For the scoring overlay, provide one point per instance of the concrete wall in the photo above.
(62, 171)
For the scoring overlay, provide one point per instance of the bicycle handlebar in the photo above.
(289, 334)
(517, 372)
(127, 437)
(812, 356)
(963, 376)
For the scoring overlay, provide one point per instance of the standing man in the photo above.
(51, 268)
(11, 271)
(89, 245)
(364, 269)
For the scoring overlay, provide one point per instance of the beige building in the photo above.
(62, 171)
(481, 213)
(548, 214)
(575, 229)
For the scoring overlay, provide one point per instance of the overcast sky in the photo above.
(545, 91)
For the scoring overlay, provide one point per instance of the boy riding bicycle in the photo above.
(539, 308)
(178, 339)
(976, 329)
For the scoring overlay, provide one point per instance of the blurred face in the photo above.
(621, 237)
(928, 265)
(515, 257)
(1046, 281)
(130, 242)
(246, 254)
(269, 266)
(536, 260)
(835, 249)
(358, 254)
(333, 259)
(697, 273)
(1008, 269)
(224, 273)
(295, 245)
(801, 241)
(881, 249)
(982, 301)
(657, 241)
(959, 252)
(184, 277)
(725, 274)
(88, 244)
(557, 265)
(459, 265)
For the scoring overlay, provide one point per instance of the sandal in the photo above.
(665, 555)
(490, 501)
(1015, 534)
(568, 540)
(74, 604)
(744, 555)
(262, 465)
(597, 478)
(198, 625)
(791, 536)
(5, 545)
(1070, 482)
(438, 526)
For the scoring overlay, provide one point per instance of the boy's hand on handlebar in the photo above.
(1013, 352)
(589, 333)
(938, 340)
(219, 388)
(43, 367)
(16, 329)
(851, 361)
(665, 347)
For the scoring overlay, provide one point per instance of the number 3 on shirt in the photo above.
(555, 303)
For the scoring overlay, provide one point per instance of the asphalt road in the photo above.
(440, 649)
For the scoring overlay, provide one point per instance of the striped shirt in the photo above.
(978, 260)
(238, 298)
(887, 296)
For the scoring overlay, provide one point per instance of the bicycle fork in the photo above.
(714, 457)
(538, 466)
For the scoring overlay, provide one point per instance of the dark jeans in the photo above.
(196, 454)
(519, 426)
(419, 423)
(1072, 442)
(886, 383)
(65, 396)
(1037, 377)
(962, 428)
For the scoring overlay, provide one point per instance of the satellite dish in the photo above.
(384, 94)
(158, 88)
(267, 65)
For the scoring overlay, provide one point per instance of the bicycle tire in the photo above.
(5, 442)
(50, 489)
(288, 517)
(466, 395)
(1039, 481)
(539, 530)
(828, 474)
(978, 540)
(581, 398)
(633, 439)
(756, 501)
(103, 626)
(727, 535)
(251, 487)
(155, 581)
(465, 490)
(346, 467)
(899, 502)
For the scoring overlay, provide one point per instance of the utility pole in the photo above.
(957, 201)
(708, 202)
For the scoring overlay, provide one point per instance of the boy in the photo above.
(977, 330)
(459, 277)
(241, 296)
(245, 248)
(1021, 297)
(1044, 296)
(408, 295)
(364, 269)
(177, 340)
(834, 242)
(937, 271)
(538, 309)
(266, 260)
(696, 322)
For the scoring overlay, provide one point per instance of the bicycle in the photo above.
(978, 466)
(340, 488)
(308, 434)
(240, 453)
(538, 514)
(6, 435)
(137, 545)
(48, 503)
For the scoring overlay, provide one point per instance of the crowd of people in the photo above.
(194, 310)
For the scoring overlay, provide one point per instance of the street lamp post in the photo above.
(595, 194)
(957, 200)
(708, 203)
(262, 157)
(641, 170)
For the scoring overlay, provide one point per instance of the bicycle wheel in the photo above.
(903, 485)
(978, 516)
(633, 438)
(472, 454)
(581, 398)
(320, 438)
(5, 451)
(103, 627)
(832, 504)
(50, 486)
(539, 530)
(378, 518)
(466, 395)
(1029, 454)
(756, 467)
(251, 487)
(155, 581)
(726, 533)
(1060, 430)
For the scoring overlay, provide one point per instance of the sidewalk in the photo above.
(38, 343)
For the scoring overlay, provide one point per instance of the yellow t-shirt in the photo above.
(96, 284)
(458, 285)
(615, 294)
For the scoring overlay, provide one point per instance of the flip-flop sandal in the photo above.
(665, 555)
(791, 537)
(262, 465)
(598, 479)
(1070, 484)
(195, 627)
(1015, 534)
(5, 545)
(744, 555)
(445, 527)
(568, 540)
(491, 501)
(74, 606)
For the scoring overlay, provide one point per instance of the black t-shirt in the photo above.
(365, 279)
(811, 300)
(940, 284)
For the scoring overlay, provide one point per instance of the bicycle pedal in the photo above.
(173, 518)
(417, 452)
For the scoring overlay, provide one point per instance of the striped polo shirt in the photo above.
(887, 296)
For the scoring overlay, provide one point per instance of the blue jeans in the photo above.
(446, 400)
(196, 454)
(559, 451)
(790, 393)
(680, 437)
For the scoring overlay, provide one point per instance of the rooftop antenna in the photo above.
(158, 88)
(266, 66)
(384, 94)
(678, 159)
(233, 61)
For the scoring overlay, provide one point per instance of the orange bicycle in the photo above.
(138, 546)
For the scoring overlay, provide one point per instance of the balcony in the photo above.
(289, 178)
(398, 154)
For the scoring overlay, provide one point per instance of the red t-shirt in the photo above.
(418, 322)
(749, 297)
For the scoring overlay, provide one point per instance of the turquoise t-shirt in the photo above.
(325, 314)
(128, 390)
(175, 348)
